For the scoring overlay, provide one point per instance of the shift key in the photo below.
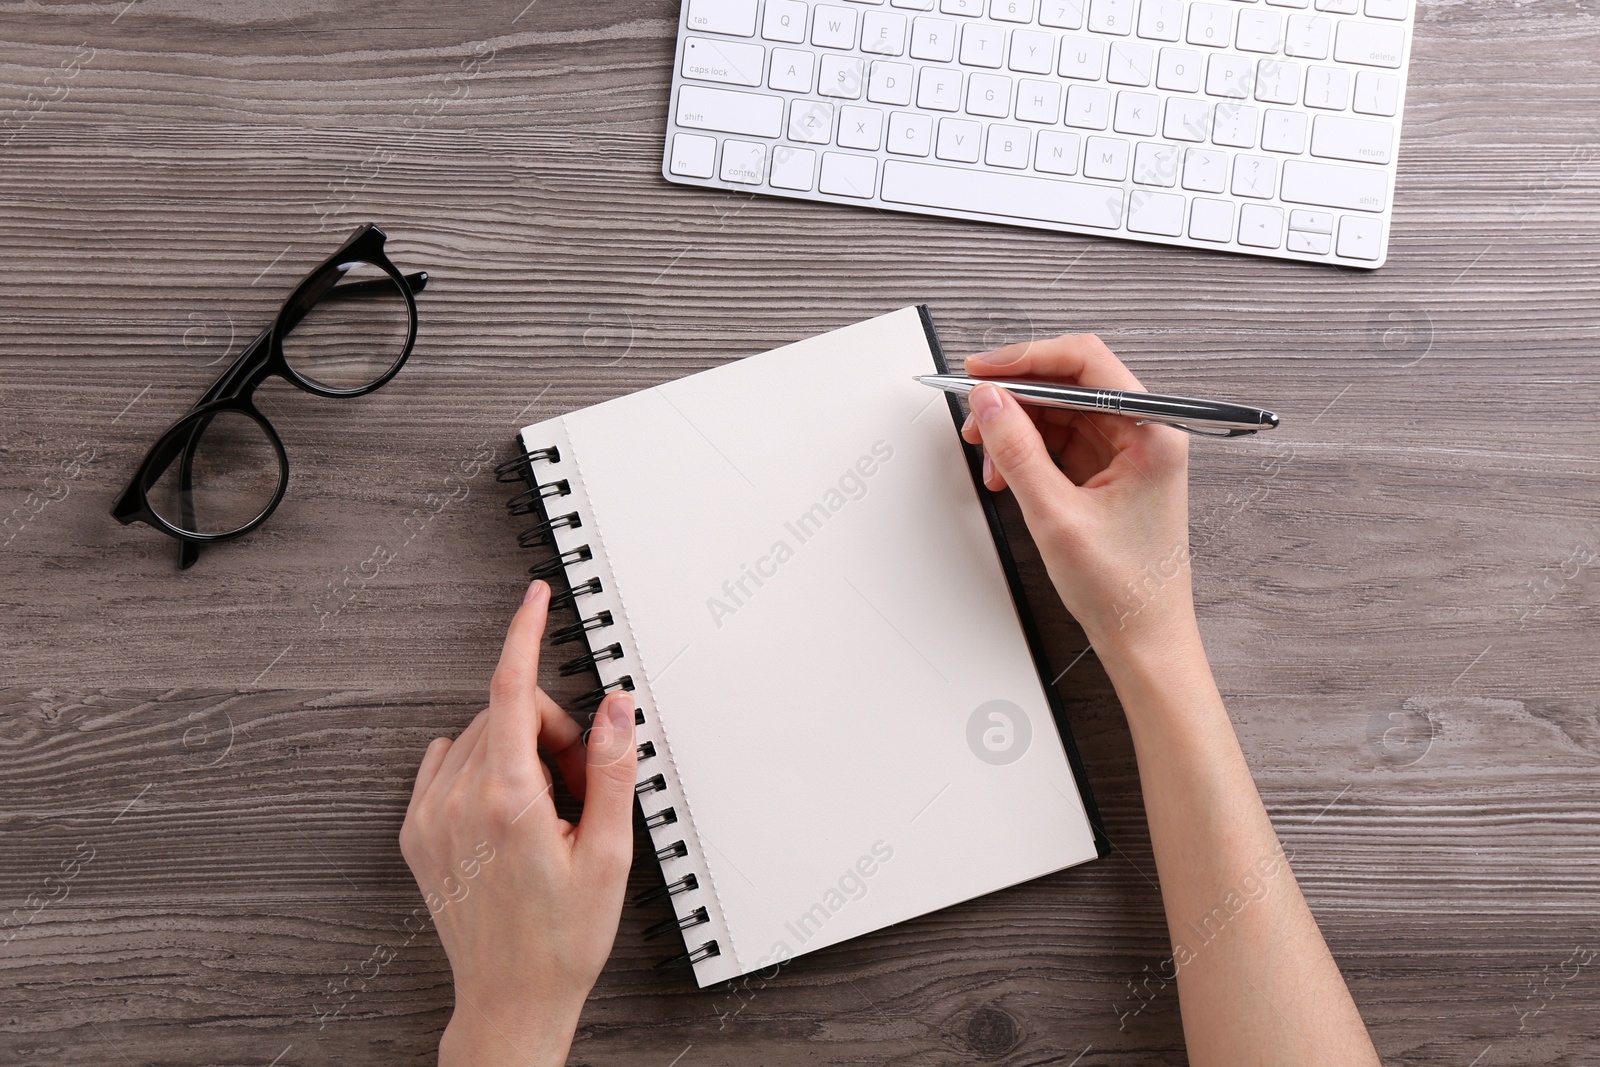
(726, 111)
(1326, 185)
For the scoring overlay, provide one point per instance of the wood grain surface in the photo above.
(1400, 591)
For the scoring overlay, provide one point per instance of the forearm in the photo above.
(474, 1040)
(1255, 979)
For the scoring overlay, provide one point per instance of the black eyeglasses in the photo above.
(219, 471)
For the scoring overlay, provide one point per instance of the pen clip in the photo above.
(1195, 432)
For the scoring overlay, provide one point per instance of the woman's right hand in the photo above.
(1106, 500)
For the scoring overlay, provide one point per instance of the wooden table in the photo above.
(1399, 589)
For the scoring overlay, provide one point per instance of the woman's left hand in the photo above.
(526, 903)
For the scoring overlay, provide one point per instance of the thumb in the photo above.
(1014, 447)
(605, 832)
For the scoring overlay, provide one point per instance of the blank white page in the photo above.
(813, 611)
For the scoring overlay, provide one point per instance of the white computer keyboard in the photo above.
(1268, 127)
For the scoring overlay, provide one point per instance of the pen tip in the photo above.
(1269, 420)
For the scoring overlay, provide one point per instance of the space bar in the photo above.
(1012, 195)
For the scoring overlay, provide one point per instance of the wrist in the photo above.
(533, 1037)
(1161, 675)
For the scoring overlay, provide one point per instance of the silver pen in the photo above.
(1203, 418)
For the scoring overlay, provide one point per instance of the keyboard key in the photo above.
(1111, 16)
(1259, 31)
(1012, 11)
(1159, 213)
(1088, 107)
(1229, 75)
(1178, 70)
(1205, 171)
(785, 20)
(793, 168)
(1082, 57)
(694, 156)
(792, 70)
(1209, 24)
(1328, 185)
(1311, 221)
(983, 45)
(1277, 81)
(1376, 94)
(889, 83)
(1307, 37)
(1360, 238)
(1160, 20)
(1260, 226)
(1211, 220)
(1039, 101)
(933, 39)
(1105, 157)
(883, 33)
(743, 162)
(1359, 140)
(1290, 3)
(1155, 164)
(939, 89)
(833, 27)
(1186, 120)
(1233, 125)
(1137, 114)
(1315, 243)
(700, 108)
(1368, 44)
(811, 122)
(860, 127)
(1016, 196)
(1131, 63)
(1057, 152)
(989, 95)
(842, 76)
(1032, 52)
(1284, 131)
(737, 17)
(972, 8)
(1007, 147)
(1388, 9)
(910, 134)
(1327, 88)
(1254, 176)
(1062, 14)
(727, 62)
(959, 140)
(847, 175)
(1337, 7)
(913, 5)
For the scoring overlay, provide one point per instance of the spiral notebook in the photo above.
(845, 720)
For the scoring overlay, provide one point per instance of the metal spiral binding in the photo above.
(533, 501)
(543, 533)
(671, 889)
(590, 659)
(666, 926)
(568, 634)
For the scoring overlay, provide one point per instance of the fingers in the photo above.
(432, 760)
(461, 749)
(605, 833)
(1080, 359)
(513, 727)
(562, 738)
(1015, 454)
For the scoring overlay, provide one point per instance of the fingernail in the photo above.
(612, 727)
(985, 403)
(619, 711)
(535, 590)
(988, 469)
(966, 427)
(1000, 357)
